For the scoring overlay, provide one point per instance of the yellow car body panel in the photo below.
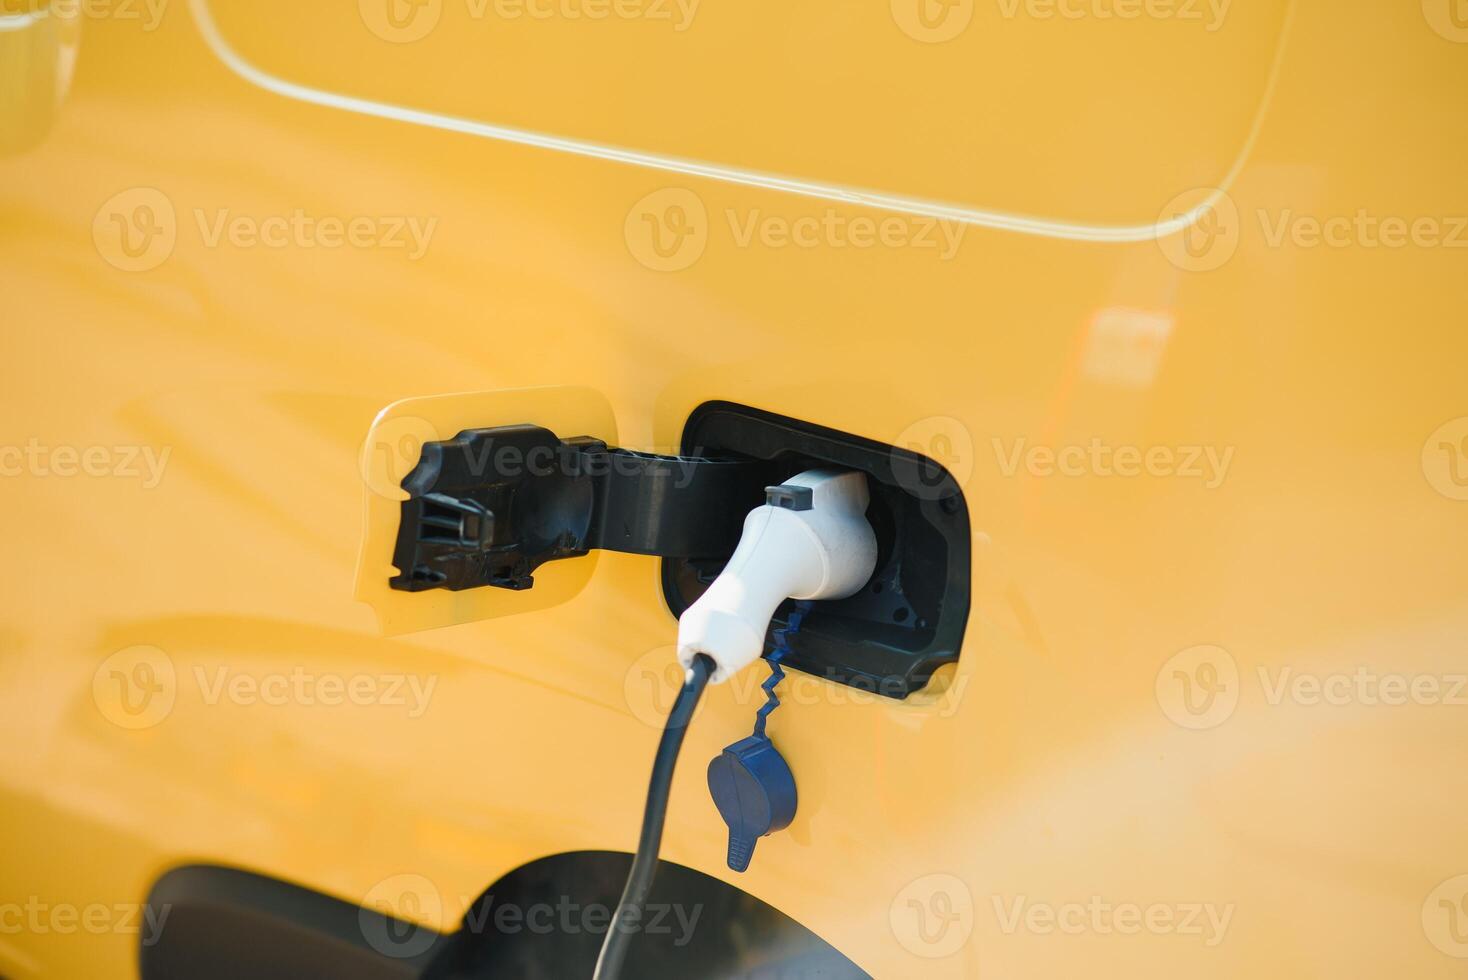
(1178, 299)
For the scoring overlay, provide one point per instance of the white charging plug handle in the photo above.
(827, 551)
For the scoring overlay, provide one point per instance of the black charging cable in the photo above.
(626, 919)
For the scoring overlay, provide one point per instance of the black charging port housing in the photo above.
(909, 620)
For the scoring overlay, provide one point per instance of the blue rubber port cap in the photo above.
(755, 792)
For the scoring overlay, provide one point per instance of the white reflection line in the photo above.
(1043, 227)
(19, 22)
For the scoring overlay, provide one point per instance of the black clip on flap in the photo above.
(489, 506)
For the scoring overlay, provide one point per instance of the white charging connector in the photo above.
(811, 540)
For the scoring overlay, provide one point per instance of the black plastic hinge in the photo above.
(490, 506)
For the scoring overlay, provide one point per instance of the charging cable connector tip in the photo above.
(810, 540)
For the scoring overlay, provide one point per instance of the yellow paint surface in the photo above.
(1208, 721)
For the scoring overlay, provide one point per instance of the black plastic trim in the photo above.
(542, 921)
(911, 618)
(490, 506)
(228, 924)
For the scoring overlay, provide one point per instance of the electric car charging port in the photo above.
(909, 620)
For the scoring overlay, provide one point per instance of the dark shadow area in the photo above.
(543, 921)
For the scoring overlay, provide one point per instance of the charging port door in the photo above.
(489, 513)
(394, 448)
